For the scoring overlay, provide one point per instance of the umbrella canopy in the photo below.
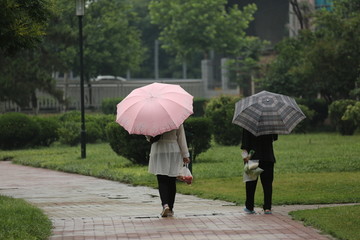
(154, 109)
(267, 113)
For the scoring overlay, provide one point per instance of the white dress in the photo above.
(166, 155)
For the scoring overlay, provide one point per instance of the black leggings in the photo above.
(167, 190)
(266, 177)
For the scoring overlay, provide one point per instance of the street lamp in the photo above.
(80, 11)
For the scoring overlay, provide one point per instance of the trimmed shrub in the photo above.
(320, 109)
(102, 121)
(336, 112)
(48, 131)
(69, 133)
(93, 132)
(95, 124)
(352, 113)
(220, 111)
(199, 106)
(17, 130)
(71, 116)
(305, 124)
(198, 135)
(133, 147)
(108, 105)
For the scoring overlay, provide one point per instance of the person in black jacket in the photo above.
(263, 147)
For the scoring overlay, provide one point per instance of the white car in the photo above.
(108, 78)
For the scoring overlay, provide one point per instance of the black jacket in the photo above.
(262, 145)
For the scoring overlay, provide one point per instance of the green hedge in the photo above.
(199, 106)
(17, 130)
(337, 110)
(320, 110)
(198, 135)
(220, 111)
(108, 105)
(133, 147)
(95, 124)
(48, 130)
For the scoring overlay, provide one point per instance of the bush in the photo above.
(70, 129)
(305, 124)
(101, 121)
(133, 147)
(336, 112)
(69, 133)
(93, 132)
(220, 111)
(198, 135)
(48, 131)
(17, 130)
(108, 105)
(199, 107)
(320, 111)
(71, 116)
(352, 113)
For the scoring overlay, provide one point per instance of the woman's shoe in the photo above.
(171, 213)
(166, 210)
(249, 211)
(267, 211)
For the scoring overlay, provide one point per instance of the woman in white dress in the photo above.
(168, 154)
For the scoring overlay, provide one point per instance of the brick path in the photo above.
(89, 208)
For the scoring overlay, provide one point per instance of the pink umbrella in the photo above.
(154, 109)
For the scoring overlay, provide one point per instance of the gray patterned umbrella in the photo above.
(267, 113)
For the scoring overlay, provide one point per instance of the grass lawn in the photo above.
(346, 225)
(310, 169)
(19, 220)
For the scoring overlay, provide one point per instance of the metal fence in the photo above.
(96, 92)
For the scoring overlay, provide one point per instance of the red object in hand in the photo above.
(188, 179)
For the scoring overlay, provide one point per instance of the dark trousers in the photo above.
(167, 190)
(266, 177)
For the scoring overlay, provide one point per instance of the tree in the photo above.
(324, 61)
(191, 26)
(22, 24)
(22, 75)
(112, 44)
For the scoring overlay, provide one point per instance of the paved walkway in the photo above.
(89, 208)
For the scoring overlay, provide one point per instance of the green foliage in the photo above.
(190, 26)
(199, 105)
(48, 131)
(198, 135)
(23, 74)
(69, 133)
(337, 110)
(101, 121)
(324, 61)
(108, 105)
(320, 108)
(305, 124)
(220, 111)
(93, 132)
(352, 113)
(17, 130)
(133, 147)
(21, 220)
(281, 75)
(112, 44)
(23, 24)
(70, 129)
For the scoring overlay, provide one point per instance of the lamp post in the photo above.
(80, 11)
